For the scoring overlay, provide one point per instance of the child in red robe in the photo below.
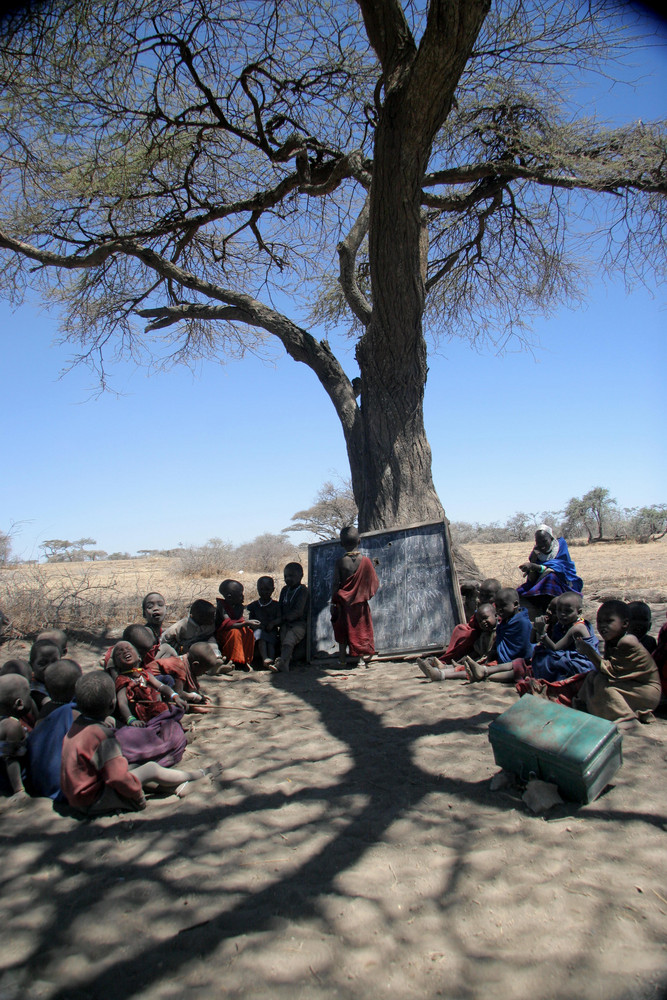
(355, 582)
(234, 633)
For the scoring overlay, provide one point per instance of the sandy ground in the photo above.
(355, 849)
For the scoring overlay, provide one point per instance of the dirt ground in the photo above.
(355, 849)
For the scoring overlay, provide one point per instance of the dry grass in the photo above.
(625, 570)
(93, 598)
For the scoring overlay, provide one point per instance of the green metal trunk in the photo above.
(536, 738)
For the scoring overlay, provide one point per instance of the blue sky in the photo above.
(234, 451)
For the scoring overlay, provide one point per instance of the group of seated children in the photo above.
(272, 628)
(557, 655)
(97, 739)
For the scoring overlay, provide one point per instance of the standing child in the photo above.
(625, 684)
(235, 635)
(293, 605)
(265, 610)
(355, 582)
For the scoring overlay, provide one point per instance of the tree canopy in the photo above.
(231, 173)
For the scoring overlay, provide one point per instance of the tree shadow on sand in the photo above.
(382, 785)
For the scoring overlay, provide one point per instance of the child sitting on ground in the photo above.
(45, 742)
(265, 611)
(640, 622)
(16, 666)
(556, 656)
(199, 626)
(140, 695)
(475, 638)
(184, 672)
(234, 633)
(292, 617)
(42, 653)
(17, 718)
(625, 684)
(512, 641)
(57, 636)
(95, 776)
(355, 582)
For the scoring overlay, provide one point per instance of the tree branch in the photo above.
(347, 255)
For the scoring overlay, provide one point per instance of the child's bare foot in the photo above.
(268, 663)
(368, 659)
(475, 671)
(211, 771)
(429, 669)
(281, 666)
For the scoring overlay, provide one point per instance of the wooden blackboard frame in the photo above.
(418, 602)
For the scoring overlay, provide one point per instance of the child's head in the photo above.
(57, 636)
(506, 603)
(550, 612)
(42, 652)
(125, 657)
(488, 590)
(349, 538)
(140, 636)
(568, 608)
(202, 613)
(232, 591)
(14, 695)
(265, 587)
(21, 667)
(612, 620)
(60, 680)
(154, 608)
(486, 617)
(95, 694)
(202, 658)
(293, 573)
(639, 618)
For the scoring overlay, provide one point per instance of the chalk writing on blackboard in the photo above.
(417, 604)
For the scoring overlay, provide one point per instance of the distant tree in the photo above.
(56, 549)
(265, 552)
(649, 522)
(5, 547)
(113, 556)
(334, 508)
(520, 526)
(592, 512)
(462, 532)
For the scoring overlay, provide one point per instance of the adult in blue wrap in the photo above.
(549, 572)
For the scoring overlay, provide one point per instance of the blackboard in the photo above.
(418, 602)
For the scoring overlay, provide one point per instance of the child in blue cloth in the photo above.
(512, 641)
(45, 742)
(556, 656)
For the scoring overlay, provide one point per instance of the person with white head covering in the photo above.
(549, 571)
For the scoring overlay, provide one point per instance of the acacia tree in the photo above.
(405, 165)
(334, 509)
